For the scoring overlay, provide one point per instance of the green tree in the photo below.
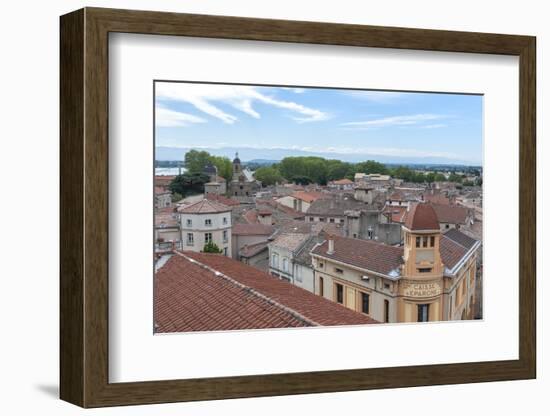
(301, 180)
(188, 184)
(268, 175)
(211, 247)
(371, 166)
(177, 197)
(196, 160)
(224, 166)
(336, 169)
(439, 177)
(453, 177)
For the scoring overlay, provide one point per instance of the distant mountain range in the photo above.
(268, 156)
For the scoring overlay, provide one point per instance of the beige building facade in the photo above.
(431, 278)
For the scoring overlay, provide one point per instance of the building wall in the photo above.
(277, 267)
(378, 289)
(294, 203)
(219, 223)
(259, 261)
(163, 200)
(304, 277)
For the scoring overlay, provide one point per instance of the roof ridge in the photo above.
(251, 290)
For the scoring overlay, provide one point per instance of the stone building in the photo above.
(431, 278)
(203, 222)
(243, 184)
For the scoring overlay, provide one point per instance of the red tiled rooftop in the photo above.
(222, 199)
(308, 196)
(396, 214)
(452, 214)
(204, 206)
(219, 293)
(421, 217)
(250, 250)
(344, 181)
(365, 254)
(252, 229)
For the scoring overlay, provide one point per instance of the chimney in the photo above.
(330, 245)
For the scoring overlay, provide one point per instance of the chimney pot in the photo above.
(330, 246)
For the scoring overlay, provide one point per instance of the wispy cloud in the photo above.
(208, 99)
(295, 90)
(434, 126)
(405, 120)
(170, 118)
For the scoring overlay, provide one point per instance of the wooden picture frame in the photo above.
(84, 207)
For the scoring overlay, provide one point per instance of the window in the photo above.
(447, 226)
(224, 220)
(369, 234)
(190, 239)
(225, 251)
(311, 219)
(285, 264)
(387, 286)
(423, 312)
(321, 219)
(341, 220)
(417, 242)
(424, 242)
(321, 265)
(354, 235)
(208, 222)
(365, 303)
(225, 236)
(207, 238)
(321, 286)
(432, 241)
(235, 193)
(425, 270)
(386, 310)
(275, 260)
(339, 271)
(339, 293)
(298, 273)
(331, 220)
(189, 223)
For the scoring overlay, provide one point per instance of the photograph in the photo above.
(281, 206)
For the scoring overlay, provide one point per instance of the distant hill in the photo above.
(273, 155)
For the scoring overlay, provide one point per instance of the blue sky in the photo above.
(350, 123)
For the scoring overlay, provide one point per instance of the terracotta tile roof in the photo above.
(252, 229)
(290, 241)
(436, 198)
(365, 254)
(250, 250)
(316, 309)
(251, 216)
(460, 238)
(396, 214)
(191, 298)
(308, 196)
(452, 214)
(344, 181)
(163, 180)
(451, 252)
(335, 206)
(223, 200)
(161, 190)
(204, 206)
(165, 219)
(421, 217)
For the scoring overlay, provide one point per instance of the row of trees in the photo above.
(305, 170)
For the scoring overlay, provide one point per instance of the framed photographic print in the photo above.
(255, 207)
